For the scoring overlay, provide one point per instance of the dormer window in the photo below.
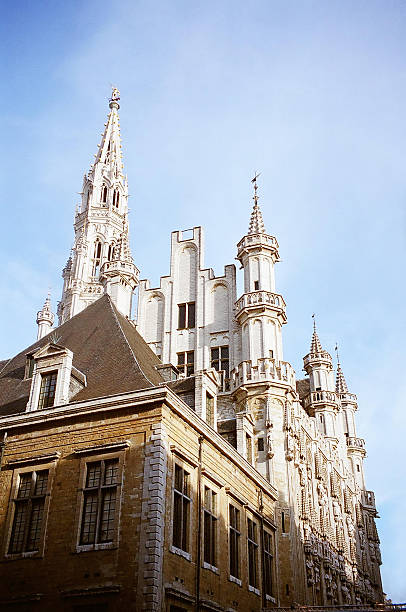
(47, 390)
(116, 198)
(55, 379)
(104, 194)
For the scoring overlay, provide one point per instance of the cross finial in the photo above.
(254, 182)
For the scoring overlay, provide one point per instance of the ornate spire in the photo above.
(109, 149)
(341, 385)
(101, 226)
(315, 346)
(256, 225)
(45, 318)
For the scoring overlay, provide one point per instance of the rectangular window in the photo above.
(186, 362)
(220, 359)
(252, 554)
(99, 502)
(181, 509)
(256, 285)
(268, 563)
(209, 526)
(260, 442)
(186, 315)
(28, 517)
(47, 390)
(234, 541)
(210, 409)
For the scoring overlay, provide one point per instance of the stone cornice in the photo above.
(138, 399)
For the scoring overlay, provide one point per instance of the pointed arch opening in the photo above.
(110, 251)
(104, 194)
(116, 198)
(97, 258)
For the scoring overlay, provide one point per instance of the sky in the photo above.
(309, 93)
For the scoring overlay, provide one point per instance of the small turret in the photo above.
(322, 400)
(45, 319)
(355, 446)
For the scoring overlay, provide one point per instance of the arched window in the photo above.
(104, 193)
(106, 161)
(97, 258)
(88, 197)
(116, 198)
(110, 251)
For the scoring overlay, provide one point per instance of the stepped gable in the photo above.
(106, 348)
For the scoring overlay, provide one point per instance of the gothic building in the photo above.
(174, 462)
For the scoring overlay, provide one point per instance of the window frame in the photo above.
(190, 470)
(237, 533)
(31, 467)
(253, 554)
(220, 360)
(84, 461)
(213, 514)
(187, 367)
(187, 320)
(50, 375)
(268, 560)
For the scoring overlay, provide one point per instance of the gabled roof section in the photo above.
(106, 348)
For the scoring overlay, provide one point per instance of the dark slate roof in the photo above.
(303, 387)
(106, 348)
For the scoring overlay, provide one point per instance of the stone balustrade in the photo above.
(368, 499)
(350, 398)
(320, 397)
(260, 298)
(125, 267)
(258, 239)
(266, 370)
(356, 443)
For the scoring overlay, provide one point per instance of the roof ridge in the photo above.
(126, 340)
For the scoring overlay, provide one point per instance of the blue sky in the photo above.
(310, 93)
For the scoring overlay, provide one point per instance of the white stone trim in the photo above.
(152, 535)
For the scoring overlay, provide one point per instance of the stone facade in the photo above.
(204, 423)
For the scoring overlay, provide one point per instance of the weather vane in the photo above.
(254, 182)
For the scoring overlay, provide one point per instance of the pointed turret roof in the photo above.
(46, 313)
(315, 346)
(109, 151)
(341, 385)
(256, 225)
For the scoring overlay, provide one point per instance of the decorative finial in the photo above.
(315, 346)
(336, 350)
(254, 182)
(256, 225)
(115, 95)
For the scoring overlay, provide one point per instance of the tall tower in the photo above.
(260, 311)
(101, 258)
